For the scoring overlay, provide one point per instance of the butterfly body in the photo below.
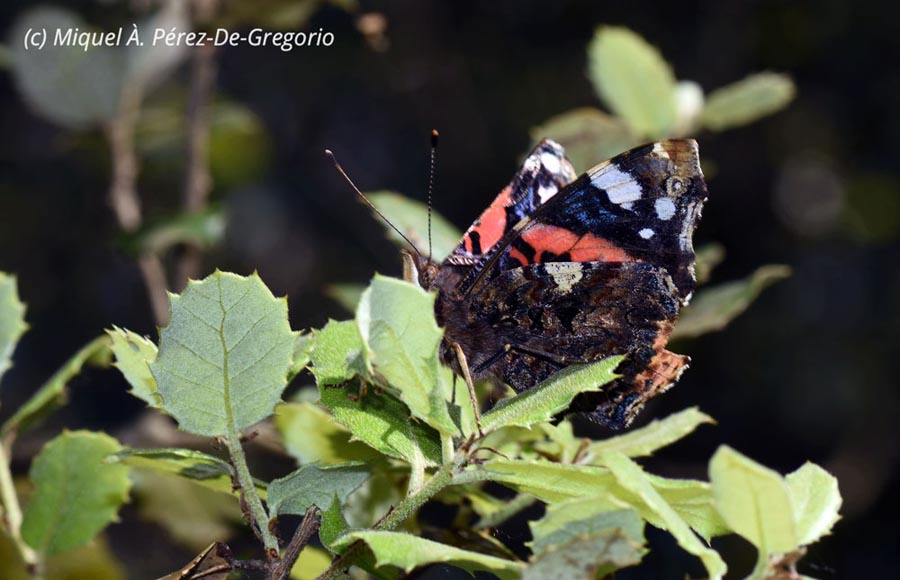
(563, 270)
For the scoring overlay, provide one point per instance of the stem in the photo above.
(248, 490)
(12, 516)
(310, 525)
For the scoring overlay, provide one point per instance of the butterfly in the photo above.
(563, 269)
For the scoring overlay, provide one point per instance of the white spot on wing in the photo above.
(665, 208)
(565, 276)
(646, 233)
(660, 150)
(551, 162)
(546, 193)
(620, 186)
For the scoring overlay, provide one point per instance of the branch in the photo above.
(302, 536)
(259, 516)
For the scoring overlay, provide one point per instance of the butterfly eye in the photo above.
(675, 185)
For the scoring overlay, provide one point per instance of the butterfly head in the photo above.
(419, 269)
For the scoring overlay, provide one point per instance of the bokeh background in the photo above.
(808, 372)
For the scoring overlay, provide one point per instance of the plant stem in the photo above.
(12, 516)
(309, 526)
(248, 490)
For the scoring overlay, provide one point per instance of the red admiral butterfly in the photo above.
(562, 270)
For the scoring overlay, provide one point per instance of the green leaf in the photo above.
(377, 496)
(196, 466)
(816, 500)
(631, 477)
(333, 523)
(583, 516)
(745, 101)
(652, 437)
(337, 353)
(315, 485)
(12, 320)
(633, 80)
(713, 308)
(754, 501)
(190, 514)
(224, 357)
(62, 517)
(303, 347)
(551, 482)
(383, 423)
(204, 229)
(411, 218)
(347, 295)
(708, 256)
(588, 135)
(311, 435)
(407, 552)
(590, 556)
(692, 500)
(552, 396)
(134, 353)
(52, 394)
(396, 322)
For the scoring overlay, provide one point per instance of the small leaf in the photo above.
(407, 552)
(411, 218)
(303, 347)
(62, 517)
(693, 501)
(754, 501)
(204, 229)
(347, 295)
(134, 353)
(708, 256)
(396, 322)
(53, 393)
(543, 402)
(225, 355)
(633, 80)
(551, 482)
(383, 423)
(816, 500)
(588, 135)
(588, 556)
(315, 485)
(312, 562)
(196, 466)
(337, 354)
(652, 437)
(745, 101)
(583, 516)
(333, 524)
(12, 320)
(631, 477)
(311, 435)
(713, 308)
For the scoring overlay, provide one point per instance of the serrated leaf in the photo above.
(53, 393)
(190, 514)
(206, 470)
(816, 499)
(134, 353)
(633, 80)
(383, 423)
(589, 556)
(347, 295)
(312, 562)
(411, 218)
(714, 307)
(631, 477)
(654, 436)
(407, 552)
(396, 323)
(754, 501)
(225, 355)
(745, 101)
(583, 516)
(315, 485)
(588, 135)
(543, 402)
(312, 435)
(303, 347)
(708, 256)
(333, 523)
(62, 517)
(337, 354)
(12, 320)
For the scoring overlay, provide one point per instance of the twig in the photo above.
(304, 533)
(12, 516)
(198, 182)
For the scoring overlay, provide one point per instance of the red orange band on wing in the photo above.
(492, 224)
(546, 239)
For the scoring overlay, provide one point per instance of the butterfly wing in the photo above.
(544, 172)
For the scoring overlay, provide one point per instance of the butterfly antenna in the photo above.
(369, 203)
(434, 144)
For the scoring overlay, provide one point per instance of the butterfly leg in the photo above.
(464, 367)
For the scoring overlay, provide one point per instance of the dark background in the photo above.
(807, 373)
